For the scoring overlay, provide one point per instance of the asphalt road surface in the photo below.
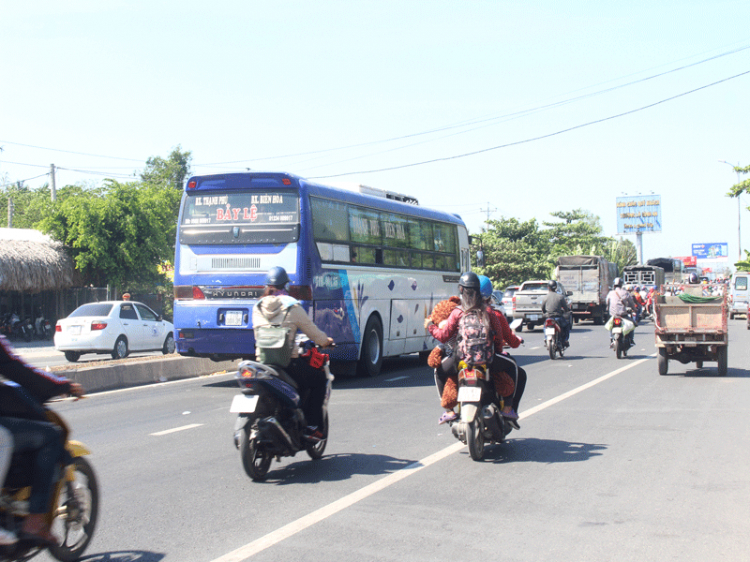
(613, 462)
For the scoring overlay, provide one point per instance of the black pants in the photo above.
(45, 440)
(506, 362)
(503, 362)
(312, 386)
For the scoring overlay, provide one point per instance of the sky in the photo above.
(485, 108)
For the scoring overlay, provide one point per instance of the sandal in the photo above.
(447, 417)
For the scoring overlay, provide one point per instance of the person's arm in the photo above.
(40, 384)
(445, 333)
(509, 336)
(299, 318)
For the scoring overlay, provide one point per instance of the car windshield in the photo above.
(92, 309)
(535, 287)
(509, 293)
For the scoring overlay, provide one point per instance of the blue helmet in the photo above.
(485, 286)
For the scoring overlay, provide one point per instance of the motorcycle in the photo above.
(553, 338)
(479, 420)
(270, 422)
(74, 508)
(27, 327)
(42, 327)
(619, 340)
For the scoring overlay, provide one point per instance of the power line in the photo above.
(70, 151)
(484, 121)
(457, 156)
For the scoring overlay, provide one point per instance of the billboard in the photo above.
(638, 213)
(713, 251)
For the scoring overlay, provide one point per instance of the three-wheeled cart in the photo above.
(690, 328)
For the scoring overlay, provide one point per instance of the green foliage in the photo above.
(29, 205)
(744, 265)
(519, 251)
(170, 172)
(119, 233)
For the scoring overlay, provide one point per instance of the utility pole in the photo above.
(488, 210)
(53, 187)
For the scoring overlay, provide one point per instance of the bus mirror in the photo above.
(480, 258)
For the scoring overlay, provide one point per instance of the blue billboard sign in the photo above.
(713, 251)
(638, 213)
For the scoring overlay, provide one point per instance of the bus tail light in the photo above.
(186, 292)
(301, 292)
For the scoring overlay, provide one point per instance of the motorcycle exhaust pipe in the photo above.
(272, 426)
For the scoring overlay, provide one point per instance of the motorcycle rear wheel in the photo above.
(475, 439)
(316, 451)
(255, 461)
(618, 348)
(77, 512)
(552, 348)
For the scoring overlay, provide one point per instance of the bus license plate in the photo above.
(469, 394)
(244, 404)
(234, 318)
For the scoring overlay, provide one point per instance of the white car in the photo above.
(115, 327)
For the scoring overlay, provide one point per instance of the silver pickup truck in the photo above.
(528, 303)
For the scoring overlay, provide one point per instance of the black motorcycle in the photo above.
(270, 422)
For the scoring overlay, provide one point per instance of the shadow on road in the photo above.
(332, 468)
(124, 556)
(548, 451)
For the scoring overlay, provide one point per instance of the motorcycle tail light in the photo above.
(98, 326)
(548, 323)
(617, 322)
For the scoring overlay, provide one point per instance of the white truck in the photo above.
(528, 303)
(589, 279)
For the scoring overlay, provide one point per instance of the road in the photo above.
(613, 462)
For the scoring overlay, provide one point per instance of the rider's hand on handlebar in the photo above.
(330, 343)
(76, 390)
(521, 340)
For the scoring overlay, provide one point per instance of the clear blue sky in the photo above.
(280, 85)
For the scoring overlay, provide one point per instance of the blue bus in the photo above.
(367, 265)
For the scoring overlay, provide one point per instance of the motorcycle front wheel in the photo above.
(475, 439)
(77, 512)
(255, 461)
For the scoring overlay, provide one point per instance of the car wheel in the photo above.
(72, 356)
(120, 351)
(168, 348)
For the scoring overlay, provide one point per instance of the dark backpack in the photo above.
(475, 345)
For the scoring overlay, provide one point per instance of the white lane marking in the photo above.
(537, 347)
(282, 533)
(397, 379)
(176, 429)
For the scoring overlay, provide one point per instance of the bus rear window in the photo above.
(242, 217)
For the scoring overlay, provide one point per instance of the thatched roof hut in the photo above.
(32, 262)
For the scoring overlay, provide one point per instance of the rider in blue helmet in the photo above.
(485, 286)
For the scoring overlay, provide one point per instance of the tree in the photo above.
(170, 172)
(579, 233)
(622, 252)
(514, 252)
(119, 233)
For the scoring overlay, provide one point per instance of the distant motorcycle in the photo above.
(42, 328)
(553, 338)
(620, 342)
(270, 422)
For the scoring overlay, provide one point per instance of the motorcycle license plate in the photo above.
(617, 330)
(549, 331)
(244, 404)
(469, 394)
